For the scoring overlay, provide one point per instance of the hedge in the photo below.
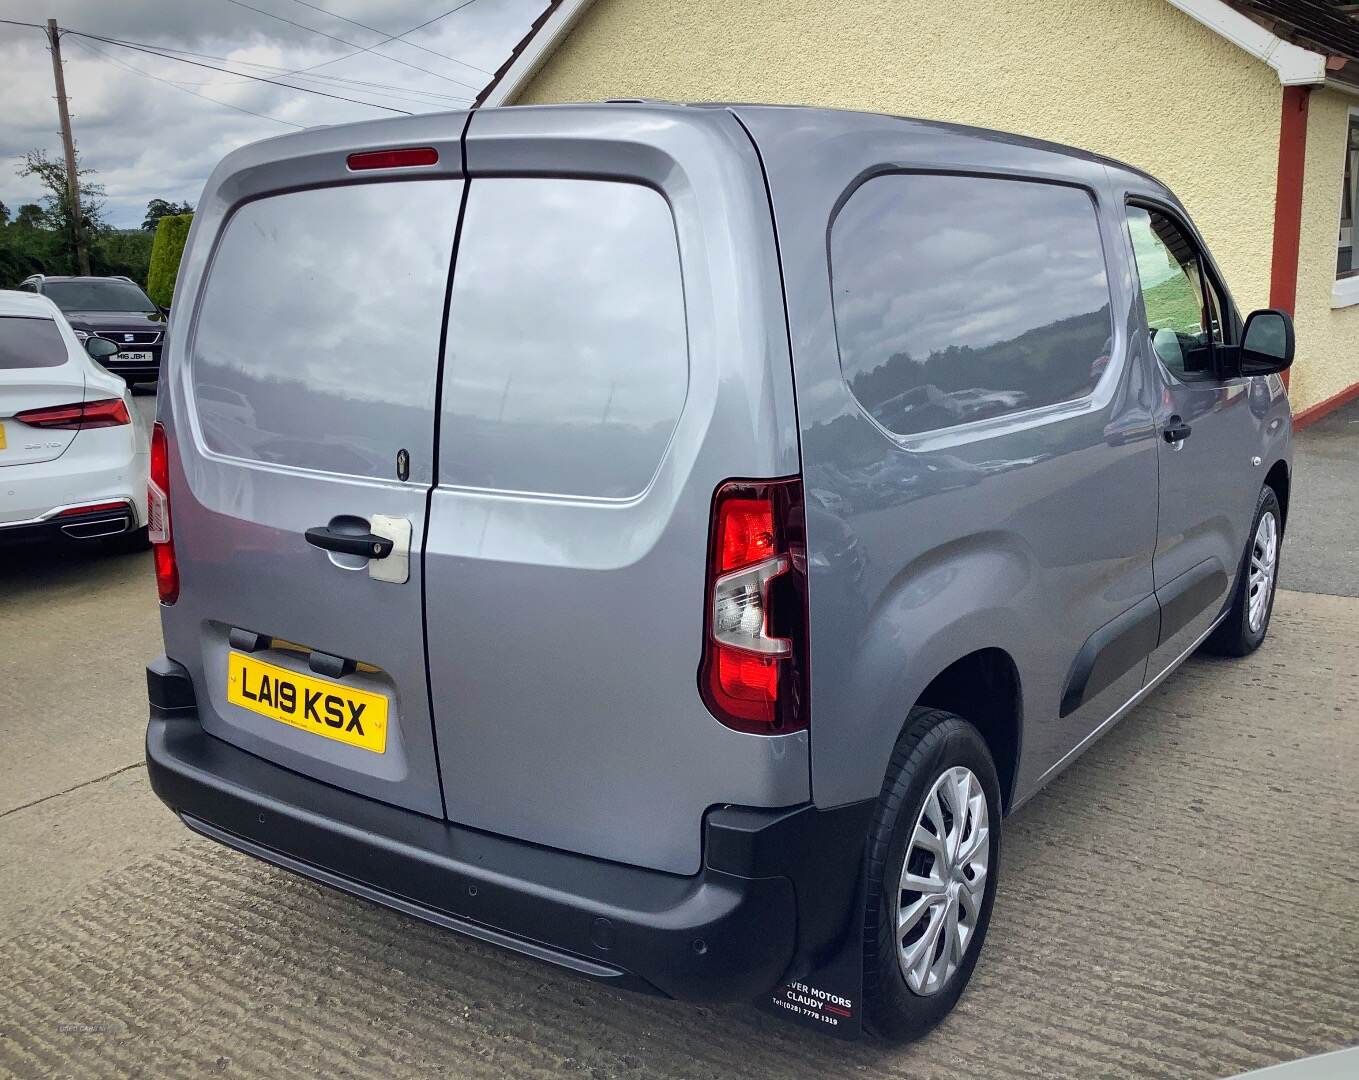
(166, 250)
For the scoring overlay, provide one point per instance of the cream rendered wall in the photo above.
(1134, 79)
(1328, 339)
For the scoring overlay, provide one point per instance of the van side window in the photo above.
(959, 298)
(567, 362)
(1183, 307)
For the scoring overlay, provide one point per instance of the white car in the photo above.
(73, 464)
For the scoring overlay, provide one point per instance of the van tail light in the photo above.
(754, 672)
(78, 416)
(158, 518)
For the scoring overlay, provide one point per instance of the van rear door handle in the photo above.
(1176, 430)
(365, 544)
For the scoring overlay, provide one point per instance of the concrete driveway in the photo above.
(1183, 902)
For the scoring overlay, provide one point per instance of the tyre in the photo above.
(1247, 619)
(933, 858)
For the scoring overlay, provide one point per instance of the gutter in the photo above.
(1295, 65)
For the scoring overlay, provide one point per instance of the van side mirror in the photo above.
(100, 348)
(1267, 343)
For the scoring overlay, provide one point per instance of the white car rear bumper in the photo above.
(32, 496)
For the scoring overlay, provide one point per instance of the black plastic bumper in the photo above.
(772, 899)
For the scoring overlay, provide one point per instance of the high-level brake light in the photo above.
(405, 158)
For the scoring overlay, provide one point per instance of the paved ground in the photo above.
(1322, 554)
(1182, 902)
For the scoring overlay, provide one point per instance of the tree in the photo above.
(166, 251)
(29, 216)
(57, 212)
(4, 214)
(159, 208)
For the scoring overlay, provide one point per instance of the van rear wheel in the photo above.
(933, 858)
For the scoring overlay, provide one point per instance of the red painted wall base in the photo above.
(1325, 408)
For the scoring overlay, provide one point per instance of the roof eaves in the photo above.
(532, 50)
(1294, 65)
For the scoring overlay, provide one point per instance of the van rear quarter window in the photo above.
(959, 298)
(317, 342)
(567, 358)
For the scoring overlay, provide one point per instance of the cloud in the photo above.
(146, 139)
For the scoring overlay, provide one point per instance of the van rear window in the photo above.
(30, 343)
(567, 360)
(317, 342)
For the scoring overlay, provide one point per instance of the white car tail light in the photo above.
(78, 416)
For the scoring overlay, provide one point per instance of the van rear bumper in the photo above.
(773, 898)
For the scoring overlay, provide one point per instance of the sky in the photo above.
(147, 139)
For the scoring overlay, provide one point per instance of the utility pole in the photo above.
(68, 143)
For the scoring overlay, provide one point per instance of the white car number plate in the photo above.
(125, 355)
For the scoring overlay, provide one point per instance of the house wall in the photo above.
(1138, 80)
(1328, 339)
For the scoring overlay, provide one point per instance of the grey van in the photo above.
(667, 541)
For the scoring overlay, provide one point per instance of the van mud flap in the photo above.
(822, 853)
(830, 997)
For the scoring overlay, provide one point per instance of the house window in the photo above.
(1347, 263)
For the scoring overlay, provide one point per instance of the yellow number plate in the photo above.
(320, 706)
(2, 436)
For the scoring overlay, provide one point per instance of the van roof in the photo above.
(988, 134)
(791, 117)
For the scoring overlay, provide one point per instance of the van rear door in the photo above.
(302, 428)
(615, 351)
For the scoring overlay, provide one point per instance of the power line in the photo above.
(401, 36)
(402, 93)
(169, 52)
(169, 82)
(279, 72)
(352, 45)
(245, 74)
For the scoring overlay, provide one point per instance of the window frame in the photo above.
(1345, 287)
(986, 427)
(1208, 275)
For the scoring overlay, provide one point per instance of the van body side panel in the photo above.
(1025, 532)
(565, 623)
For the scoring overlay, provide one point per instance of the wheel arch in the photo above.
(1278, 479)
(984, 688)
